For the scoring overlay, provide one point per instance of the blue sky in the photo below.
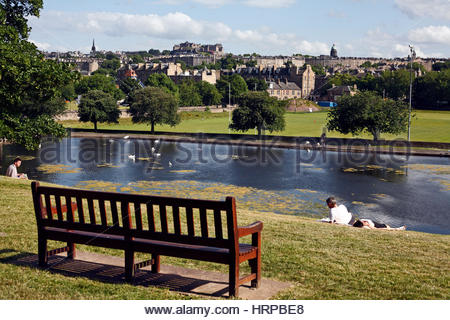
(362, 28)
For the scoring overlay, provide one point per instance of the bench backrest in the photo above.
(187, 221)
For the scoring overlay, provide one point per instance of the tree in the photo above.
(161, 80)
(30, 86)
(129, 85)
(154, 105)
(98, 106)
(366, 111)
(99, 82)
(256, 84)
(432, 90)
(14, 15)
(209, 93)
(189, 95)
(237, 85)
(256, 109)
(396, 83)
(29, 132)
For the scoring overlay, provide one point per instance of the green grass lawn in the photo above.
(322, 261)
(432, 126)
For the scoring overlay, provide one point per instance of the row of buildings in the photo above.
(287, 76)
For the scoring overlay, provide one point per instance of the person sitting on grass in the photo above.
(370, 224)
(12, 170)
(338, 213)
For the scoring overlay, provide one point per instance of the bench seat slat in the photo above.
(83, 227)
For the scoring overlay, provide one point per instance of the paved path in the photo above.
(274, 144)
(188, 281)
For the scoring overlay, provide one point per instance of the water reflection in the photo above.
(391, 189)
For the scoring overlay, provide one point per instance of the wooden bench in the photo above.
(186, 228)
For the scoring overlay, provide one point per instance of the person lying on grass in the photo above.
(370, 224)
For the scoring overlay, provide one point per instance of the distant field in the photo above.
(430, 126)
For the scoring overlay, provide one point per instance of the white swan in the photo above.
(126, 137)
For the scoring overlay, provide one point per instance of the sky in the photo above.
(359, 28)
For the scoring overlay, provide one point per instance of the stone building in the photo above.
(338, 91)
(283, 90)
(142, 71)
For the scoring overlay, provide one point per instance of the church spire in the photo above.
(93, 50)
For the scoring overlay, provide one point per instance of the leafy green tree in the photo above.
(68, 92)
(256, 109)
(99, 82)
(367, 111)
(161, 80)
(395, 83)
(318, 70)
(366, 64)
(13, 16)
(154, 105)
(440, 66)
(256, 84)
(129, 85)
(30, 86)
(209, 93)
(112, 64)
(251, 63)
(228, 62)
(97, 106)
(432, 90)
(234, 82)
(154, 52)
(137, 58)
(189, 94)
(29, 132)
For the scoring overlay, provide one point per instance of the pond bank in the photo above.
(399, 147)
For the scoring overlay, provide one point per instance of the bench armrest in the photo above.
(255, 227)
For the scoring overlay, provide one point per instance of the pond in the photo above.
(396, 190)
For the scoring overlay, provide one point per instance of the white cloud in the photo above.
(250, 3)
(438, 9)
(378, 43)
(430, 34)
(177, 26)
(43, 46)
(270, 3)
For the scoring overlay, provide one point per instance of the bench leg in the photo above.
(234, 280)
(129, 265)
(155, 263)
(255, 267)
(71, 254)
(42, 252)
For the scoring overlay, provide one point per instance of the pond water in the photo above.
(392, 189)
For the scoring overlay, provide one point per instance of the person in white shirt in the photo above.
(338, 213)
(12, 170)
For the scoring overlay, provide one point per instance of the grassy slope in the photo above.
(426, 126)
(322, 261)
